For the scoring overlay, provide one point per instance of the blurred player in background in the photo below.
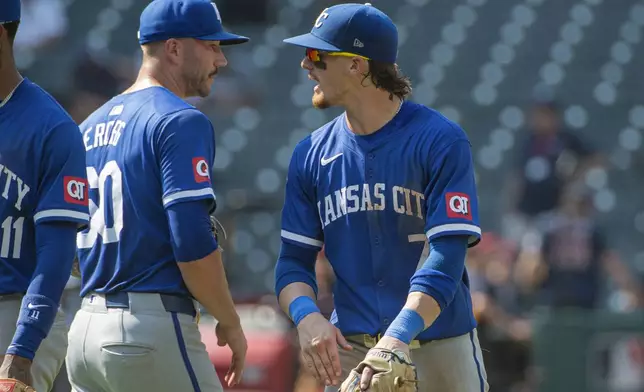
(43, 201)
(149, 249)
(385, 186)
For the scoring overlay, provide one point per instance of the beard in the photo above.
(319, 101)
(203, 91)
(199, 85)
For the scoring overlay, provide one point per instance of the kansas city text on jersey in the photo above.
(14, 188)
(370, 197)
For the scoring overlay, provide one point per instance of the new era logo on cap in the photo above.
(357, 43)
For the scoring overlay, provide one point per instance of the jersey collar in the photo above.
(4, 102)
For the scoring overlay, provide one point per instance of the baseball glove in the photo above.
(217, 230)
(393, 372)
(13, 385)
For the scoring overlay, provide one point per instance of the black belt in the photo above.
(171, 303)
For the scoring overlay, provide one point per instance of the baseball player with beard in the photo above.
(388, 188)
(43, 200)
(149, 252)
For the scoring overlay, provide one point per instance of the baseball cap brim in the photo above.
(225, 38)
(311, 41)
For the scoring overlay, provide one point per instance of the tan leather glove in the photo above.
(393, 372)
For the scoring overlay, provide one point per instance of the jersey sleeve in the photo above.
(300, 219)
(451, 199)
(186, 152)
(62, 186)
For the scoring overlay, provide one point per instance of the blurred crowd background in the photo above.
(551, 94)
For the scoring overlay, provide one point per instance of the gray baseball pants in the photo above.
(446, 365)
(133, 343)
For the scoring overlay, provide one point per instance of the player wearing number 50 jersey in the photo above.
(43, 200)
(149, 251)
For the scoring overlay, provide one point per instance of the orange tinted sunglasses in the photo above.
(315, 55)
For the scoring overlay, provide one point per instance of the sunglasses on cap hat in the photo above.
(314, 54)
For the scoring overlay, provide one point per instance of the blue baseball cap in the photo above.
(9, 11)
(198, 19)
(361, 29)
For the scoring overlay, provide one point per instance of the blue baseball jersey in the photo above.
(374, 202)
(146, 151)
(42, 178)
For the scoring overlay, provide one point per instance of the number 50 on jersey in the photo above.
(114, 196)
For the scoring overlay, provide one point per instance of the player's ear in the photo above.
(359, 66)
(354, 66)
(172, 48)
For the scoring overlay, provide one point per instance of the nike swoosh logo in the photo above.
(32, 306)
(326, 161)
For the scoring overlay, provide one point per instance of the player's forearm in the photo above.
(55, 248)
(433, 288)
(425, 305)
(293, 291)
(206, 281)
(199, 260)
(442, 272)
(295, 283)
(419, 313)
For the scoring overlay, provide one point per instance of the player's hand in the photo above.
(386, 342)
(234, 338)
(16, 367)
(319, 340)
(76, 273)
(389, 370)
